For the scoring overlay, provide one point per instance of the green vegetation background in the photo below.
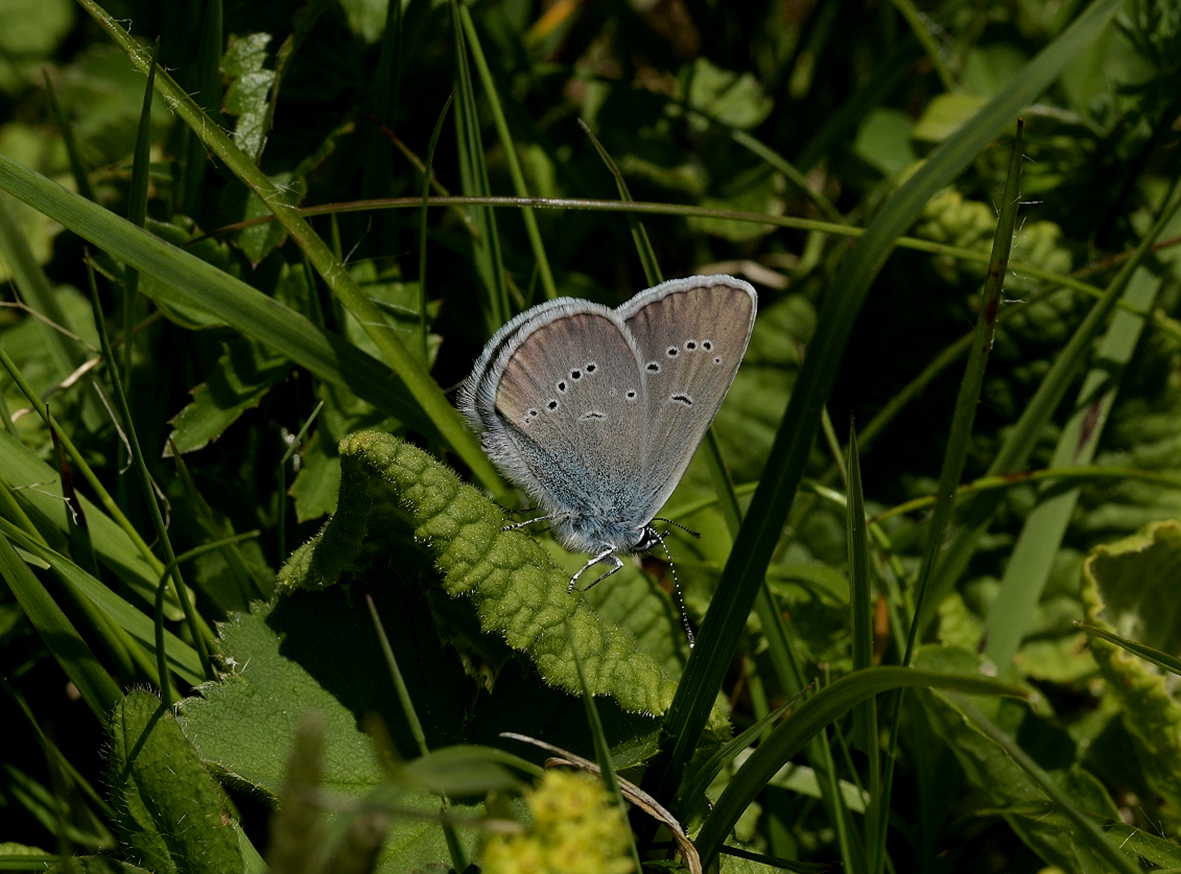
(758, 139)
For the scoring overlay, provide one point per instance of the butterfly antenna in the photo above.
(677, 593)
(684, 528)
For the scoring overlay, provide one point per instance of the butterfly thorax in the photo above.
(593, 533)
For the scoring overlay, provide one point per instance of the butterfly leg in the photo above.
(548, 517)
(606, 555)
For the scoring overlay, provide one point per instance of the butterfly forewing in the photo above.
(691, 335)
(572, 395)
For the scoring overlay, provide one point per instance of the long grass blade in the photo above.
(644, 249)
(602, 747)
(960, 436)
(865, 729)
(207, 98)
(193, 282)
(1170, 663)
(137, 213)
(427, 173)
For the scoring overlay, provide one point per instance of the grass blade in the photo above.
(427, 395)
(427, 173)
(1098, 841)
(149, 493)
(1023, 436)
(811, 717)
(1012, 614)
(1172, 664)
(474, 179)
(98, 689)
(196, 283)
(639, 233)
(960, 437)
(507, 143)
(752, 551)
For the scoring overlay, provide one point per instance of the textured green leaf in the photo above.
(1130, 589)
(171, 815)
(516, 590)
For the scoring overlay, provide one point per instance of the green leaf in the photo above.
(733, 99)
(171, 816)
(759, 191)
(944, 115)
(883, 141)
(1130, 589)
(243, 374)
(1019, 798)
(278, 670)
(244, 62)
(318, 481)
(516, 590)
